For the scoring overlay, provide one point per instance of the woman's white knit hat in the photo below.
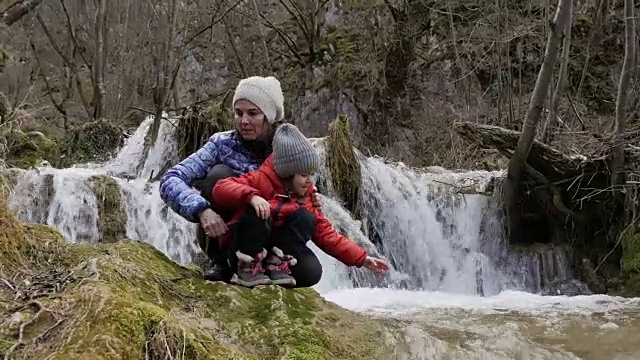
(263, 92)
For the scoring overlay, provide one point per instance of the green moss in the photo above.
(93, 141)
(111, 213)
(342, 69)
(127, 300)
(630, 262)
(346, 175)
(198, 123)
(631, 252)
(30, 149)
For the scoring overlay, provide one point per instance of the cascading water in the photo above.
(446, 248)
(445, 240)
(63, 197)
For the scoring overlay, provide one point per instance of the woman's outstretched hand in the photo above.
(376, 265)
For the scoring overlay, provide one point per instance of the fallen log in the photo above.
(17, 10)
(550, 162)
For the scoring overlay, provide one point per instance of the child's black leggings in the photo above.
(251, 234)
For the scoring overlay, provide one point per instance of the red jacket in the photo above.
(235, 194)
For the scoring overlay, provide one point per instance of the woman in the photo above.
(258, 106)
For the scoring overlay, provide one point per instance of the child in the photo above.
(275, 219)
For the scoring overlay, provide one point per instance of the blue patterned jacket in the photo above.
(176, 185)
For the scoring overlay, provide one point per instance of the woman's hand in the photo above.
(376, 265)
(212, 223)
(263, 209)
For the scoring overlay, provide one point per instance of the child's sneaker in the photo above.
(278, 265)
(250, 271)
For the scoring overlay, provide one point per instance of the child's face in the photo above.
(301, 182)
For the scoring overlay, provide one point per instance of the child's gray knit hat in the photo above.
(293, 153)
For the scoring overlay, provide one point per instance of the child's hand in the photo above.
(315, 199)
(376, 265)
(263, 209)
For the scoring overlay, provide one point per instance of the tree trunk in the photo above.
(617, 163)
(17, 10)
(167, 70)
(552, 117)
(517, 163)
(99, 93)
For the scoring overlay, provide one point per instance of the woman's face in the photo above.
(250, 121)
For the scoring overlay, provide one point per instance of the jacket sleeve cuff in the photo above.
(202, 206)
(246, 197)
(360, 260)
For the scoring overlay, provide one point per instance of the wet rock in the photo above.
(568, 287)
(587, 273)
(112, 217)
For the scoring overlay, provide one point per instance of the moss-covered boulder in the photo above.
(94, 141)
(9, 178)
(128, 301)
(198, 123)
(112, 218)
(25, 150)
(630, 262)
(343, 165)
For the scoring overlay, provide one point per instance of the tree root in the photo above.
(27, 287)
(41, 309)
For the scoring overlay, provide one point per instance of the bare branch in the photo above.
(68, 62)
(56, 104)
(72, 34)
(213, 23)
(235, 49)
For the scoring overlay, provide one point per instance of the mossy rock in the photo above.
(630, 262)
(127, 300)
(94, 141)
(343, 165)
(111, 212)
(26, 150)
(9, 178)
(198, 123)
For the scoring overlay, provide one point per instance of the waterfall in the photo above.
(436, 237)
(64, 199)
(444, 232)
(456, 288)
